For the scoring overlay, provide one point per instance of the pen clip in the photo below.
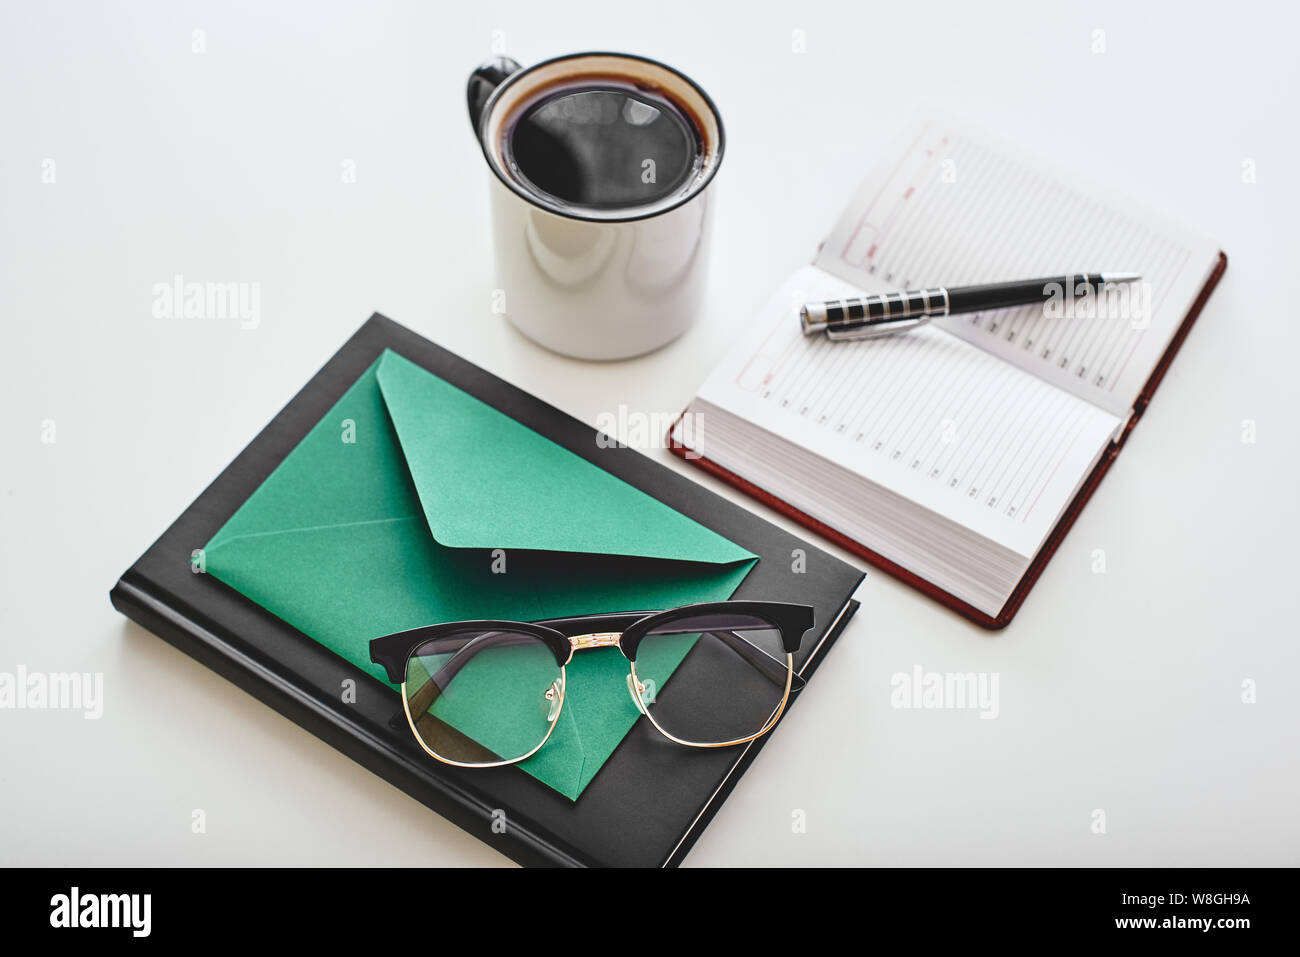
(871, 330)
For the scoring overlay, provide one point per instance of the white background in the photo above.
(1119, 691)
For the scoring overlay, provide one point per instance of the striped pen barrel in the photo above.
(865, 317)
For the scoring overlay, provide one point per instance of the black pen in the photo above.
(867, 316)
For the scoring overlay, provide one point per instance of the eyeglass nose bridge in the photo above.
(597, 639)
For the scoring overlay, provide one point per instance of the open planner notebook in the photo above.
(957, 455)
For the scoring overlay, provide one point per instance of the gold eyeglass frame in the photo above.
(606, 639)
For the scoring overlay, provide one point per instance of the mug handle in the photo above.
(482, 82)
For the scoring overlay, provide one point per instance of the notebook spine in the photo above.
(152, 609)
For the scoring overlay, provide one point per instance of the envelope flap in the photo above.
(487, 481)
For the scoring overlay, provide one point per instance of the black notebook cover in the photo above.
(648, 804)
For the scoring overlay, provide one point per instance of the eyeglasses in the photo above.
(482, 694)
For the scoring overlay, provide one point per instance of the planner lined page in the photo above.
(925, 415)
(952, 205)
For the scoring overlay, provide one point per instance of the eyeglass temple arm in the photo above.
(760, 659)
(580, 624)
(459, 658)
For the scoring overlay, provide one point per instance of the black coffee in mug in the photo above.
(601, 210)
(603, 145)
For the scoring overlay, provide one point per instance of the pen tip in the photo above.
(1120, 277)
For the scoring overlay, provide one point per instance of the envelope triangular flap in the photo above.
(487, 481)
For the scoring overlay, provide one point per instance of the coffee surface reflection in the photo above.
(603, 147)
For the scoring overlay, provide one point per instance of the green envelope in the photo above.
(412, 502)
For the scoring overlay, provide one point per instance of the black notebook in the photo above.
(647, 803)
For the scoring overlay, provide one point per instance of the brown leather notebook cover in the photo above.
(1008, 611)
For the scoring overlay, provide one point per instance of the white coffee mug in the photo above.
(596, 283)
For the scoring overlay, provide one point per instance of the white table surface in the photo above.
(1119, 691)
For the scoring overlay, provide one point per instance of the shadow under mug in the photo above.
(596, 283)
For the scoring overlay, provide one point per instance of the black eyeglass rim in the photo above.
(393, 652)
